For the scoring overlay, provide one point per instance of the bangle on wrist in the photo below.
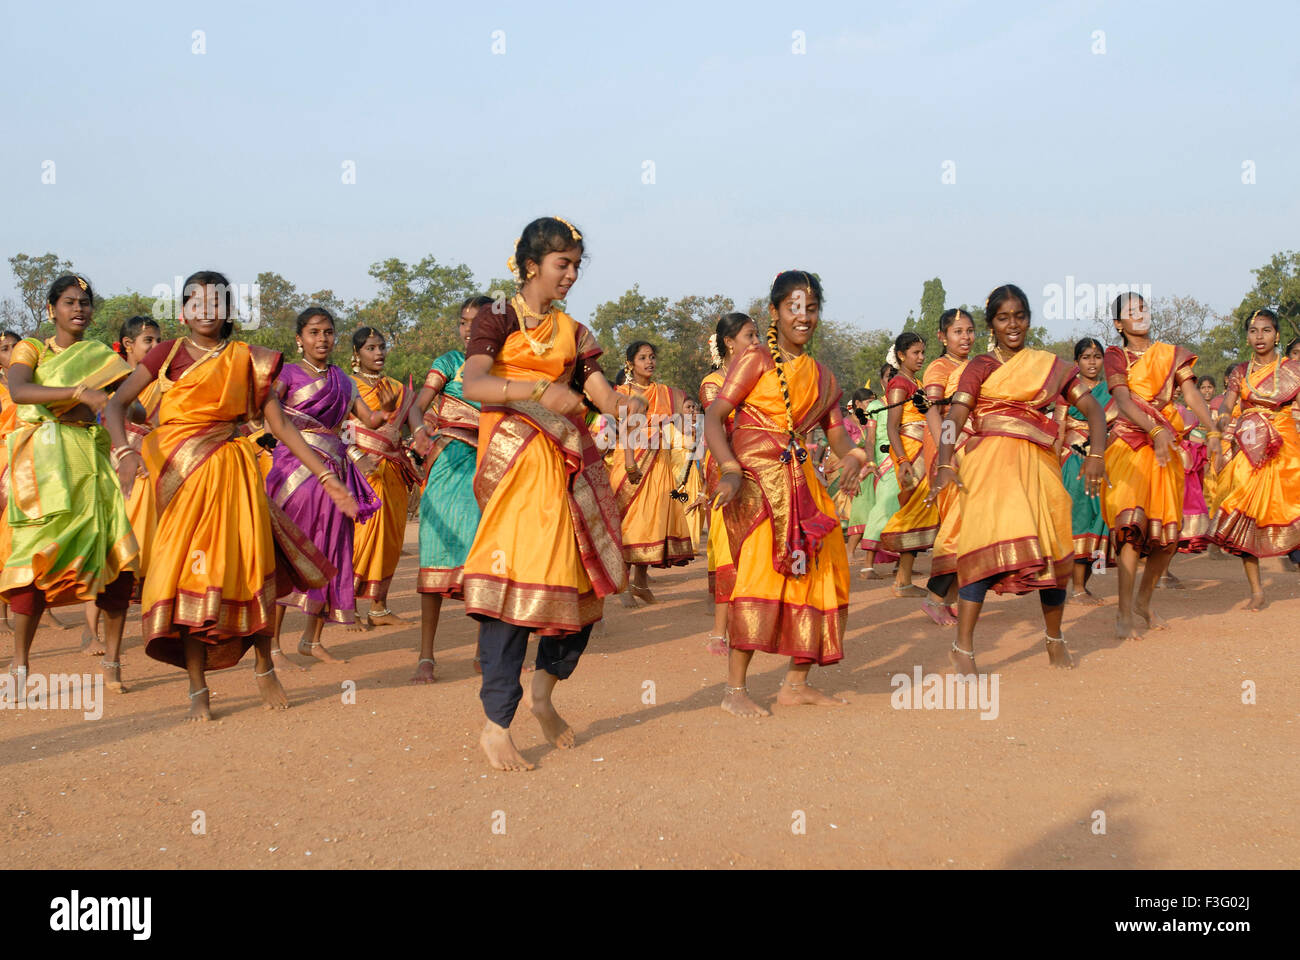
(947, 465)
(325, 475)
(539, 388)
(77, 391)
(505, 391)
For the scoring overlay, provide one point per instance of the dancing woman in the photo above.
(1260, 517)
(1013, 526)
(1143, 507)
(315, 397)
(449, 513)
(222, 550)
(957, 336)
(8, 421)
(734, 334)
(69, 537)
(547, 549)
(377, 450)
(1091, 538)
(655, 532)
(912, 529)
(792, 572)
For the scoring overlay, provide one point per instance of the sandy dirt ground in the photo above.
(1149, 739)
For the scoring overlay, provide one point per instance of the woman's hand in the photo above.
(851, 477)
(728, 490)
(1217, 457)
(129, 466)
(343, 499)
(632, 406)
(1163, 444)
(944, 475)
(1093, 473)
(906, 478)
(700, 502)
(95, 399)
(422, 443)
(558, 398)
(387, 396)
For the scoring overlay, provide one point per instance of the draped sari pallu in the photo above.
(915, 526)
(548, 548)
(1144, 504)
(1194, 537)
(68, 531)
(140, 507)
(1014, 518)
(791, 592)
(223, 551)
(449, 511)
(317, 408)
(377, 545)
(655, 531)
(8, 421)
(1260, 515)
(943, 559)
(721, 564)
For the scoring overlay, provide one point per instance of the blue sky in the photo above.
(1119, 167)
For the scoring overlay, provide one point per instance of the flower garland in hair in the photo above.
(715, 355)
(891, 358)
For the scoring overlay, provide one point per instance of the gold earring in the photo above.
(531, 274)
(356, 363)
(300, 346)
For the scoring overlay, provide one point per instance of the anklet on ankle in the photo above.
(111, 663)
(791, 683)
(964, 653)
(428, 660)
(267, 674)
(739, 689)
(197, 692)
(379, 613)
(1053, 639)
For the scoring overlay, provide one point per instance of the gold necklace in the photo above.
(1277, 387)
(371, 378)
(522, 312)
(319, 370)
(997, 352)
(208, 352)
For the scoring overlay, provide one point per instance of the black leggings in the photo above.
(941, 584)
(975, 592)
(502, 649)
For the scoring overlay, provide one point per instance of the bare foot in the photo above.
(424, 672)
(628, 600)
(716, 645)
(91, 645)
(385, 618)
(6, 626)
(478, 665)
(962, 661)
(553, 725)
(642, 593)
(500, 749)
(358, 625)
(1169, 582)
(910, 590)
(1087, 598)
(736, 702)
(318, 651)
(1058, 654)
(871, 573)
(1257, 602)
(199, 708)
(273, 696)
(938, 613)
(1153, 620)
(1127, 629)
(799, 694)
(113, 678)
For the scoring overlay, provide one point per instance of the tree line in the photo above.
(416, 308)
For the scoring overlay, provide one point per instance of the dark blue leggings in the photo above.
(975, 592)
(502, 649)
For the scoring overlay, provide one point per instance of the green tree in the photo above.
(1277, 287)
(417, 307)
(34, 276)
(617, 323)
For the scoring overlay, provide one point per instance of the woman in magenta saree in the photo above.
(316, 401)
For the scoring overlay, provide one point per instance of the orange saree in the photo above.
(791, 594)
(655, 531)
(547, 550)
(1260, 515)
(377, 543)
(721, 564)
(1013, 521)
(222, 552)
(944, 558)
(1144, 504)
(914, 526)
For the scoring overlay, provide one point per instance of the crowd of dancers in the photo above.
(218, 483)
